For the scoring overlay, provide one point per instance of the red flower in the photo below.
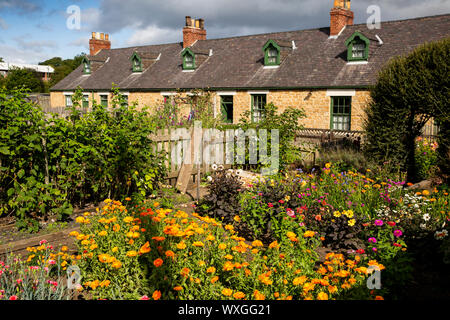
(391, 223)
(360, 251)
(270, 205)
(281, 201)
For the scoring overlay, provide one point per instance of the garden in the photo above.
(353, 228)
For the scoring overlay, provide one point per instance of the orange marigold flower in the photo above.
(145, 248)
(178, 288)
(257, 243)
(222, 246)
(211, 270)
(258, 295)
(379, 298)
(214, 279)
(274, 245)
(156, 295)
(132, 253)
(309, 234)
(299, 280)
(198, 244)
(170, 253)
(158, 262)
(239, 295)
(322, 296)
(227, 292)
(181, 245)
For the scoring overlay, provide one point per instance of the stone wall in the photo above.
(316, 103)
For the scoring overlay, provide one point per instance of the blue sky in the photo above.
(35, 30)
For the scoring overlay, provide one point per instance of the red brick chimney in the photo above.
(98, 42)
(341, 16)
(193, 31)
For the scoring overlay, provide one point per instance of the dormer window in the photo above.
(188, 59)
(357, 47)
(136, 62)
(271, 53)
(86, 66)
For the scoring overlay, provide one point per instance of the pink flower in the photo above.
(52, 262)
(372, 239)
(42, 242)
(378, 223)
(19, 281)
(290, 213)
(270, 205)
(144, 298)
(398, 233)
(374, 249)
(281, 201)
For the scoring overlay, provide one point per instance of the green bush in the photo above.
(409, 91)
(50, 164)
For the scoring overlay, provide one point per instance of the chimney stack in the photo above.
(193, 31)
(341, 16)
(98, 42)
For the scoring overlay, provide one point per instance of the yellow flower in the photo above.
(131, 253)
(103, 233)
(328, 165)
(258, 295)
(210, 238)
(322, 296)
(425, 192)
(237, 219)
(349, 213)
(79, 219)
(198, 244)
(291, 235)
(257, 243)
(128, 219)
(116, 264)
(181, 245)
(64, 248)
(309, 234)
(115, 249)
(229, 227)
(228, 257)
(299, 281)
(227, 292)
(351, 222)
(222, 246)
(211, 270)
(337, 214)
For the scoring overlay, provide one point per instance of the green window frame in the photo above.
(357, 47)
(85, 101)
(136, 62)
(341, 113)
(259, 102)
(226, 108)
(188, 59)
(104, 100)
(86, 65)
(271, 53)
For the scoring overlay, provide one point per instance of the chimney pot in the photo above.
(341, 16)
(99, 42)
(193, 31)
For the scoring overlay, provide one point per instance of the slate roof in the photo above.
(238, 62)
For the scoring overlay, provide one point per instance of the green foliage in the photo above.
(24, 78)
(287, 124)
(426, 159)
(409, 91)
(50, 164)
(62, 67)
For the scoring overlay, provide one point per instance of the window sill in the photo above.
(357, 62)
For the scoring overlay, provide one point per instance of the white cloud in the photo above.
(17, 55)
(24, 42)
(152, 35)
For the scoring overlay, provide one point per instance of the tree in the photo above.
(24, 78)
(62, 67)
(409, 92)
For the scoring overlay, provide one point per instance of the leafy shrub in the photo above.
(222, 200)
(426, 159)
(49, 165)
